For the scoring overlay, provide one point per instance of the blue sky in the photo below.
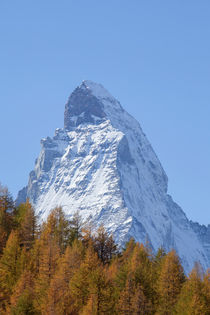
(154, 56)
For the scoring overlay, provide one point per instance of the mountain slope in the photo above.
(102, 164)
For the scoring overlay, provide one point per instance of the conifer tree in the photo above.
(21, 301)
(158, 259)
(104, 245)
(128, 251)
(27, 222)
(46, 254)
(48, 259)
(141, 267)
(67, 271)
(80, 282)
(58, 228)
(6, 216)
(206, 288)
(122, 265)
(9, 268)
(90, 307)
(138, 293)
(170, 283)
(101, 292)
(124, 305)
(24, 305)
(140, 305)
(58, 295)
(87, 238)
(75, 227)
(157, 262)
(192, 300)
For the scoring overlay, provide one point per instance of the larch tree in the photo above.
(58, 227)
(169, 283)
(80, 282)
(21, 301)
(192, 300)
(206, 288)
(46, 255)
(122, 265)
(141, 267)
(140, 305)
(27, 224)
(124, 304)
(9, 267)
(58, 295)
(6, 216)
(101, 292)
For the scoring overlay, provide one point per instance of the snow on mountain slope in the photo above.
(102, 164)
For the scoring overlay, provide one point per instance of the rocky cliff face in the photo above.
(203, 233)
(102, 164)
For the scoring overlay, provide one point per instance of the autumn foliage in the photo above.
(63, 268)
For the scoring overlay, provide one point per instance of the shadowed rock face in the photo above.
(124, 155)
(102, 165)
(82, 105)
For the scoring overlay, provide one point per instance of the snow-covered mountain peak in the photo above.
(102, 165)
(96, 89)
(89, 103)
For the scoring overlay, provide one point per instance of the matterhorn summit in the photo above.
(102, 165)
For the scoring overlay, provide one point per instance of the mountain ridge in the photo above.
(102, 165)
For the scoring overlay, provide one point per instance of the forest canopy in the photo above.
(63, 267)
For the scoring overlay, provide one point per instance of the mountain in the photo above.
(102, 164)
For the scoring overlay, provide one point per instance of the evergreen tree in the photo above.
(104, 245)
(75, 227)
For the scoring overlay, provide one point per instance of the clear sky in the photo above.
(153, 56)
